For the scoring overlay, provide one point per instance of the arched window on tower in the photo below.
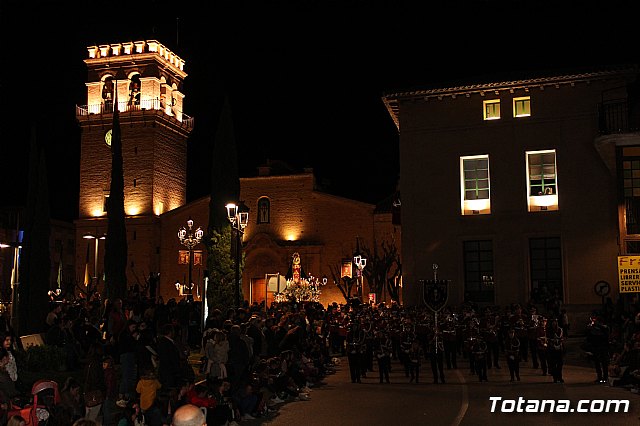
(163, 94)
(107, 94)
(134, 91)
(264, 208)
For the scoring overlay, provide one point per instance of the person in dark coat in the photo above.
(239, 359)
(169, 371)
(598, 341)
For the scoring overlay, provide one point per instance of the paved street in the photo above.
(461, 401)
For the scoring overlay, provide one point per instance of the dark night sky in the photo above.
(304, 78)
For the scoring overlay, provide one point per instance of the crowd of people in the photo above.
(136, 358)
(142, 359)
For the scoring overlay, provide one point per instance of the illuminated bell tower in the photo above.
(148, 79)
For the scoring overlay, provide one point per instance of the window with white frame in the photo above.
(522, 106)
(542, 180)
(474, 185)
(491, 109)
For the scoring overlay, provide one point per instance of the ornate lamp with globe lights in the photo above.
(189, 238)
(239, 219)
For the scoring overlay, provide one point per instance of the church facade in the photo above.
(287, 212)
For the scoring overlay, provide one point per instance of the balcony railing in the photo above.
(615, 116)
(149, 104)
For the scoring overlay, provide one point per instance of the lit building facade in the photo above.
(519, 190)
(143, 79)
(288, 214)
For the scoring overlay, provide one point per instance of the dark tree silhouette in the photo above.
(35, 258)
(225, 182)
(345, 284)
(115, 256)
(380, 261)
(220, 239)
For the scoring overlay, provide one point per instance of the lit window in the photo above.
(474, 183)
(631, 188)
(522, 107)
(263, 210)
(542, 181)
(491, 109)
(105, 203)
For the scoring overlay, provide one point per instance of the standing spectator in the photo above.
(127, 343)
(116, 321)
(71, 344)
(170, 374)
(111, 391)
(217, 352)
(94, 386)
(12, 368)
(238, 368)
(7, 386)
(254, 330)
(55, 312)
(147, 387)
(182, 311)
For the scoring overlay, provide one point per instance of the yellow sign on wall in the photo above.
(629, 274)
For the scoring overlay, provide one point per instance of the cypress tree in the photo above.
(225, 188)
(115, 257)
(225, 183)
(35, 258)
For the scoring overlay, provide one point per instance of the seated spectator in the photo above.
(223, 413)
(71, 399)
(197, 395)
(246, 402)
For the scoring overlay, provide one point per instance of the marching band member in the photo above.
(512, 351)
(480, 359)
(532, 334)
(355, 341)
(450, 342)
(555, 351)
(415, 361)
(543, 344)
(519, 324)
(383, 350)
(489, 327)
(598, 340)
(435, 350)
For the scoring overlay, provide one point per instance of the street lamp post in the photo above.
(360, 263)
(190, 238)
(95, 259)
(239, 221)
